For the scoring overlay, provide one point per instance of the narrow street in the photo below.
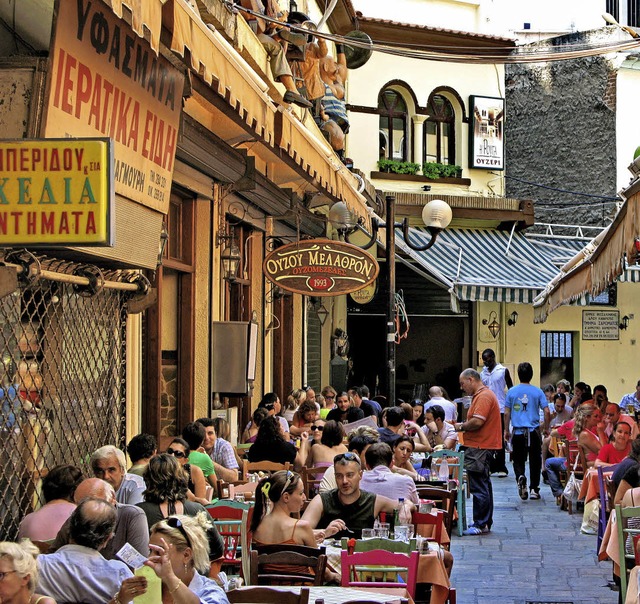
(535, 553)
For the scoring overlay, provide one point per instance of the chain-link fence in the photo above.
(62, 384)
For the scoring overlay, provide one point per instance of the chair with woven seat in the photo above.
(574, 460)
(628, 525)
(456, 470)
(266, 466)
(388, 545)
(444, 500)
(312, 477)
(285, 565)
(376, 563)
(606, 500)
(267, 595)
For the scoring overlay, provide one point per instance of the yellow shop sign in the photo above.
(56, 192)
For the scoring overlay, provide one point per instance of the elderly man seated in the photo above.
(348, 508)
(78, 572)
(109, 463)
(379, 478)
(131, 522)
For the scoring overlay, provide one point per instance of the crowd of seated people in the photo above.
(369, 469)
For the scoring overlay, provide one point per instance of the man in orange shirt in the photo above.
(483, 437)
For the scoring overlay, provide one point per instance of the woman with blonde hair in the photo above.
(294, 400)
(180, 558)
(589, 430)
(19, 574)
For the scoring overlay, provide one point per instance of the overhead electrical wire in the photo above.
(468, 54)
(536, 184)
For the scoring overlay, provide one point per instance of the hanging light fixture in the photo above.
(322, 313)
(230, 257)
(625, 322)
(513, 319)
(492, 325)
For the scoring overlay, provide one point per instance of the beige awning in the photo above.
(599, 264)
(146, 14)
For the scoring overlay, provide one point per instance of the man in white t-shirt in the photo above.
(496, 377)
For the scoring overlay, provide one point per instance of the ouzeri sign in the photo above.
(320, 267)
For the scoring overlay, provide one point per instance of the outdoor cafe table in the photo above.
(338, 595)
(590, 488)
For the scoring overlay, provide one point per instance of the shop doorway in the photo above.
(557, 356)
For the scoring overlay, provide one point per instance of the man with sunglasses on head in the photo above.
(220, 451)
(348, 509)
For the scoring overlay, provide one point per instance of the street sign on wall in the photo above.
(56, 192)
(320, 267)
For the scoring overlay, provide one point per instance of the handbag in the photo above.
(572, 488)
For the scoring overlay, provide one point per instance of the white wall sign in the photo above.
(600, 325)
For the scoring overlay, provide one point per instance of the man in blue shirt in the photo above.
(522, 409)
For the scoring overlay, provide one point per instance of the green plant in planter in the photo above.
(398, 167)
(435, 170)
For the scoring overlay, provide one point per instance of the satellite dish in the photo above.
(356, 56)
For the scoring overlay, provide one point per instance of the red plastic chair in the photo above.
(434, 518)
(378, 561)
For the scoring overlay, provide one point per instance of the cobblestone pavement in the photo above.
(534, 553)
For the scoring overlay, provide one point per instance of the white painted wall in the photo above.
(494, 17)
(627, 124)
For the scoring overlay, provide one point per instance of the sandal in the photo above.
(475, 530)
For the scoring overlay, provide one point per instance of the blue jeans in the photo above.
(553, 466)
(482, 492)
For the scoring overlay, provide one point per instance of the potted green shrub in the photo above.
(435, 170)
(397, 167)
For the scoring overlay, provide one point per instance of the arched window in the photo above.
(439, 131)
(393, 125)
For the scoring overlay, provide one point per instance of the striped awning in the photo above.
(479, 265)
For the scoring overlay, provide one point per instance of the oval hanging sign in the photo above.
(320, 267)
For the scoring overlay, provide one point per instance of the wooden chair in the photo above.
(267, 595)
(456, 471)
(436, 520)
(573, 453)
(267, 466)
(378, 562)
(232, 519)
(623, 522)
(444, 500)
(272, 565)
(606, 502)
(312, 477)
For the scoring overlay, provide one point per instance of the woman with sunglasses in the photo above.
(330, 445)
(166, 492)
(197, 483)
(19, 574)
(180, 558)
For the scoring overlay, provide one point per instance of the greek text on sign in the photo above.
(320, 267)
(106, 81)
(56, 192)
(600, 325)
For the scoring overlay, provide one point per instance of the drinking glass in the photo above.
(368, 533)
(382, 532)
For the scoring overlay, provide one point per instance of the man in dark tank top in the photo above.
(348, 508)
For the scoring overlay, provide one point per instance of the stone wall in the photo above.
(560, 132)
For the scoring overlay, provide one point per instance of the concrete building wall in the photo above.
(561, 132)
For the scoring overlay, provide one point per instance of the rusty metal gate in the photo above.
(62, 381)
